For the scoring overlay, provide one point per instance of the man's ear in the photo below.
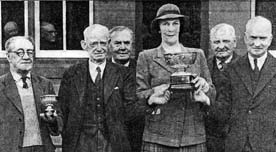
(8, 56)
(83, 44)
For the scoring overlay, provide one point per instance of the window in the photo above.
(12, 22)
(59, 26)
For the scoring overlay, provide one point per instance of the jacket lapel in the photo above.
(267, 73)
(243, 71)
(80, 81)
(159, 59)
(12, 93)
(110, 78)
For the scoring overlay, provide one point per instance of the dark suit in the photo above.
(11, 113)
(251, 112)
(119, 95)
(215, 128)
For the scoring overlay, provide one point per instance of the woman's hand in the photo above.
(200, 96)
(200, 84)
(160, 95)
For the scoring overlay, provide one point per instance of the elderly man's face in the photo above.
(21, 55)
(121, 45)
(49, 33)
(257, 39)
(96, 44)
(223, 43)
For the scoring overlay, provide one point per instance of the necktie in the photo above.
(25, 85)
(256, 70)
(221, 65)
(98, 77)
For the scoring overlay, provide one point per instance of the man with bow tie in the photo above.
(95, 98)
(223, 44)
(22, 129)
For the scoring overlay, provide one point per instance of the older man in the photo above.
(249, 94)
(223, 44)
(49, 39)
(95, 99)
(121, 47)
(21, 127)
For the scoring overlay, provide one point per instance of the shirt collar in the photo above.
(93, 66)
(126, 64)
(260, 61)
(17, 77)
(228, 60)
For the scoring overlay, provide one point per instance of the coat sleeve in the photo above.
(143, 83)
(207, 76)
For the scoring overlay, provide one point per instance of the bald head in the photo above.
(258, 36)
(259, 22)
(224, 30)
(96, 30)
(10, 29)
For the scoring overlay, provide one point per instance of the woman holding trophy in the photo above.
(175, 83)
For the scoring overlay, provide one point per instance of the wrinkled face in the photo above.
(49, 33)
(121, 45)
(223, 44)
(96, 45)
(169, 30)
(21, 56)
(258, 39)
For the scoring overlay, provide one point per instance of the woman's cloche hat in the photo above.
(166, 11)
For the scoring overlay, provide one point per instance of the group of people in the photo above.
(119, 105)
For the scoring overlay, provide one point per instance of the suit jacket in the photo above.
(251, 113)
(213, 126)
(12, 118)
(119, 95)
(179, 123)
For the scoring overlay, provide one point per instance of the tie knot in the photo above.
(24, 78)
(98, 69)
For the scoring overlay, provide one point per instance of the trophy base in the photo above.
(178, 87)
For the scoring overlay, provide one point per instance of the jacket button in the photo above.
(98, 99)
(19, 119)
(249, 112)
(98, 105)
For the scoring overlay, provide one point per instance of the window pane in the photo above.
(51, 25)
(12, 21)
(77, 16)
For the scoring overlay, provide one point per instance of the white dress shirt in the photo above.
(260, 61)
(92, 69)
(126, 64)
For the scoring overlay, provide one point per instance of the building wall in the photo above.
(235, 13)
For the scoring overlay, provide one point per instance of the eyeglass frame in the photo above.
(21, 53)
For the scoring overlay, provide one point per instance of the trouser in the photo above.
(38, 148)
(93, 143)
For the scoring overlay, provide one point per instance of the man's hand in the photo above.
(200, 96)
(200, 84)
(49, 116)
(160, 95)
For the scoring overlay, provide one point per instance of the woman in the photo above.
(175, 120)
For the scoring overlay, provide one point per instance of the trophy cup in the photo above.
(48, 101)
(181, 79)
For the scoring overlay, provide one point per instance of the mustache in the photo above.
(224, 49)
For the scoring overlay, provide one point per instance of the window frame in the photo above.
(26, 22)
(58, 53)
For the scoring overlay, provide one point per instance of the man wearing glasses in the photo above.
(95, 98)
(22, 129)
